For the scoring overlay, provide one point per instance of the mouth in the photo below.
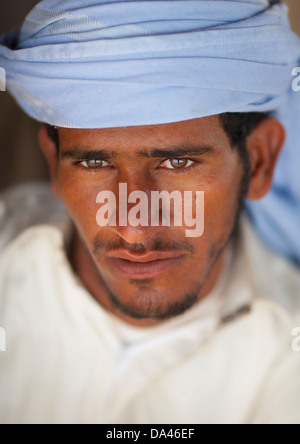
(148, 265)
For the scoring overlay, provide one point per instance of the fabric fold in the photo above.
(125, 60)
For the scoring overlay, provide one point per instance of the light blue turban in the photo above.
(104, 64)
(97, 64)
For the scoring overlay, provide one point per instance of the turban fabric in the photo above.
(97, 64)
(105, 64)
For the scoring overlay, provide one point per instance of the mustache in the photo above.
(157, 245)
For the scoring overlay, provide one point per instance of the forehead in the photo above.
(207, 130)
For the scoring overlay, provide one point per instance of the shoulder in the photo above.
(28, 205)
(27, 257)
(275, 280)
(35, 280)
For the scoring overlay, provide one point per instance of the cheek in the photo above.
(80, 200)
(221, 190)
(221, 203)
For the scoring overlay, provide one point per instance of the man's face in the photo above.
(152, 272)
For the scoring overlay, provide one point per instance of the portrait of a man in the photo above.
(155, 278)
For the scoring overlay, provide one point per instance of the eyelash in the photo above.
(169, 170)
(181, 170)
(90, 169)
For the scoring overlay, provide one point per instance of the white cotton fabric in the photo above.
(228, 361)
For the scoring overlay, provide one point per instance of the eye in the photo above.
(177, 164)
(94, 163)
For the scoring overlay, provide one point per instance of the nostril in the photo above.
(136, 235)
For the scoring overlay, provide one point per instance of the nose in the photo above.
(137, 235)
(134, 209)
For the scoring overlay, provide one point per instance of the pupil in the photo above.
(179, 163)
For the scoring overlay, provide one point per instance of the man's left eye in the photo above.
(94, 163)
(177, 164)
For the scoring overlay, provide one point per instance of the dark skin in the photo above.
(145, 159)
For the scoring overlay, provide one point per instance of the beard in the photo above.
(150, 306)
(149, 303)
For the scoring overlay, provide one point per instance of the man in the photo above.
(139, 323)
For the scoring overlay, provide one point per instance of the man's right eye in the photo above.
(94, 163)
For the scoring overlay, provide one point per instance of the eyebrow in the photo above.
(182, 151)
(81, 153)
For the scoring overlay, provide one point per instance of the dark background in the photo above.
(20, 157)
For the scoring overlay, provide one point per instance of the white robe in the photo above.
(229, 360)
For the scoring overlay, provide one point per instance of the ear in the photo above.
(49, 149)
(264, 146)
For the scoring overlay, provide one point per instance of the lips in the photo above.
(139, 266)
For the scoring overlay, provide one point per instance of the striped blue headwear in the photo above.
(97, 64)
(116, 63)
